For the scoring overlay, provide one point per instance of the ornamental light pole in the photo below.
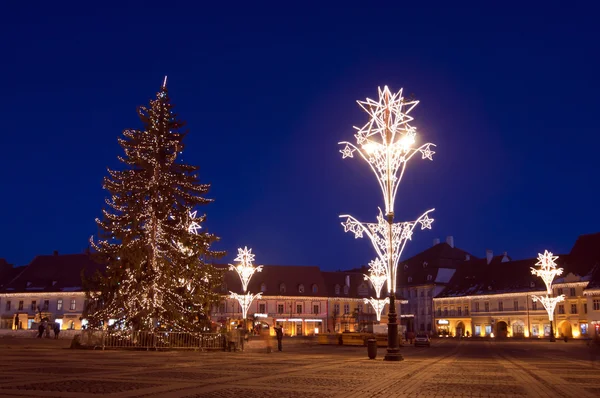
(548, 272)
(245, 270)
(386, 143)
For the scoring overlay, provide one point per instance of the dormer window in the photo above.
(409, 279)
(346, 289)
(429, 277)
(301, 288)
(28, 284)
(337, 289)
(532, 284)
(425, 264)
(405, 266)
(54, 283)
(315, 288)
(282, 288)
(263, 287)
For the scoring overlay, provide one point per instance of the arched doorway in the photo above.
(518, 329)
(565, 330)
(460, 329)
(501, 329)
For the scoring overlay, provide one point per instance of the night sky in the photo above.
(509, 94)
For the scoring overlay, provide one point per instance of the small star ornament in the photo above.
(427, 153)
(426, 222)
(347, 152)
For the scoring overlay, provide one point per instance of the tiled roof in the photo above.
(481, 278)
(423, 268)
(585, 254)
(8, 272)
(53, 273)
(274, 276)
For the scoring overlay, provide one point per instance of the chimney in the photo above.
(489, 255)
(348, 280)
(436, 241)
(56, 252)
(450, 241)
(505, 257)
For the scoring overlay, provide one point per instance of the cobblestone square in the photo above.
(450, 368)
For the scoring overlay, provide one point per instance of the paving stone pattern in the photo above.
(450, 368)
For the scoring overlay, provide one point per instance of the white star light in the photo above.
(194, 226)
(377, 275)
(426, 222)
(245, 269)
(347, 152)
(378, 305)
(549, 303)
(379, 232)
(387, 141)
(245, 301)
(427, 153)
(548, 270)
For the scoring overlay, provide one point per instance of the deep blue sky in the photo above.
(509, 94)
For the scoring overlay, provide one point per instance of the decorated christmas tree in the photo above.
(158, 274)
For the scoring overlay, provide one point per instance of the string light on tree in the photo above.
(157, 274)
(548, 271)
(387, 142)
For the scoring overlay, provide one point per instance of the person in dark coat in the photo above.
(56, 329)
(279, 333)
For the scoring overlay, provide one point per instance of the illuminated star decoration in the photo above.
(378, 305)
(386, 141)
(549, 303)
(194, 226)
(245, 301)
(377, 275)
(548, 270)
(347, 152)
(245, 269)
(378, 233)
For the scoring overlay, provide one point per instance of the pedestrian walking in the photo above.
(279, 333)
(56, 329)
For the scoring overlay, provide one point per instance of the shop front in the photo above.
(443, 327)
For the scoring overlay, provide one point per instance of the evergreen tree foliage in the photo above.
(158, 274)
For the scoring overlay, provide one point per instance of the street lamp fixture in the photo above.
(387, 142)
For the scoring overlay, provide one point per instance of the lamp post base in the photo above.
(393, 356)
(552, 336)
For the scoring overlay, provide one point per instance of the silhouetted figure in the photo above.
(279, 333)
(56, 330)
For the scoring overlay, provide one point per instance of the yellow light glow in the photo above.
(492, 335)
(369, 147)
(575, 333)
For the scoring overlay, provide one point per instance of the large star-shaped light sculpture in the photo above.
(387, 141)
(547, 270)
(245, 269)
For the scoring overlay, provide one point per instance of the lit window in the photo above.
(59, 304)
(298, 308)
(282, 288)
(315, 288)
(263, 287)
(596, 304)
(346, 308)
(280, 308)
(300, 288)
(337, 289)
(73, 305)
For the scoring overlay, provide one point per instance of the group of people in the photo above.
(46, 327)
